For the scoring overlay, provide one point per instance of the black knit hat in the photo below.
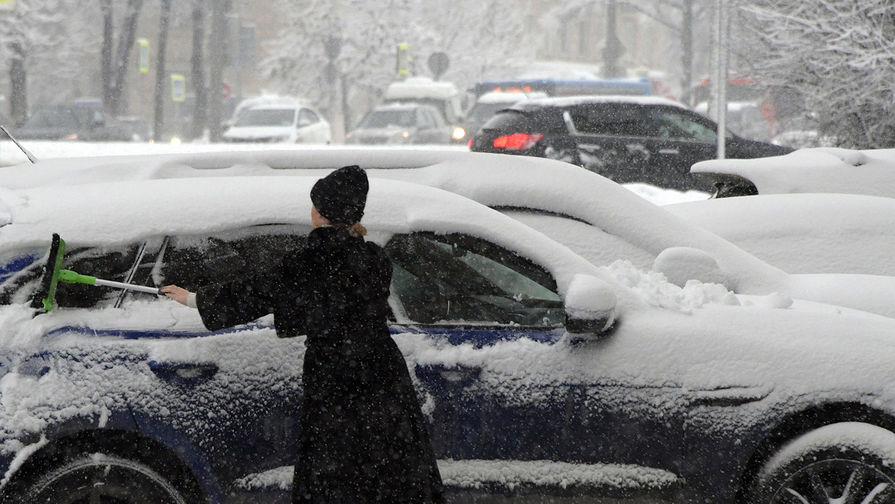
(342, 195)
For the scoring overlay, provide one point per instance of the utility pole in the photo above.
(687, 50)
(722, 33)
(159, 112)
(613, 48)
(197, 63)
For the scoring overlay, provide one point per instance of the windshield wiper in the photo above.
(23, 149)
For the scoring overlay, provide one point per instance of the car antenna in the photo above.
(23, 149)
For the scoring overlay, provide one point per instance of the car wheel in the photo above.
(93, 478)
(843, 462)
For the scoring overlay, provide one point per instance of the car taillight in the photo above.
(517, 141)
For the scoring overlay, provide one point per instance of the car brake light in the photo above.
(517, 141)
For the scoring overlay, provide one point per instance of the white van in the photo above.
(444, 96)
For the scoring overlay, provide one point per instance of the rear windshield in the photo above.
(529, 121)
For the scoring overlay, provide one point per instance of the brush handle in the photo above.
(126, 286)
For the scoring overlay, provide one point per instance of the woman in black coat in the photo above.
(363, 436)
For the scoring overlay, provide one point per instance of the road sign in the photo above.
(143, 59)
(178, 87)
(7, 5)
(438, 63)
(403, 60)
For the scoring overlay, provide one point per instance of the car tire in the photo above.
(98, 477)
(842, 462)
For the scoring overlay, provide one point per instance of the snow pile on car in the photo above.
(815, 170)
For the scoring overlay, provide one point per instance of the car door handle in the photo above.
(669, 152)
(188, 371)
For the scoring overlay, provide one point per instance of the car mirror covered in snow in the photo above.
(589, 306)
(681, 264)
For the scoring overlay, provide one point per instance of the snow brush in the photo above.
(45, 297)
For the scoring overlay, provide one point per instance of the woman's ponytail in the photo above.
(357, 230)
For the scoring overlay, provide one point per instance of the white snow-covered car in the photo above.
(811, 170)
(592, 215)
(543, 375)
(282, 122)
(804, 233)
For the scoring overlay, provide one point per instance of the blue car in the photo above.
(544, 377)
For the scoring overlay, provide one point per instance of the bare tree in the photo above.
(127, 34)
(838, 54)
(197, 65)
(33, 28)
(159, 95)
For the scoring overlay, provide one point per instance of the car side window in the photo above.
(675, 125)
(610, 120)
(107, 263)
(459, 280)
(192, 261)
(307, 118)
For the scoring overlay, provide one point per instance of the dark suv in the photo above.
(627, 139)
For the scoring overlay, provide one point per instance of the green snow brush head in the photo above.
(45, 296)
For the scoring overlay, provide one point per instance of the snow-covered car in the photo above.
(804, 233)
(541, 373)
(283, 122)
(595, 217)
(401, 123)
(810, 170)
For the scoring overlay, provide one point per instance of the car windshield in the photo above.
(267, 117)
(388, 118)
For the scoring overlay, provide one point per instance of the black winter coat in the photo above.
(363, 436)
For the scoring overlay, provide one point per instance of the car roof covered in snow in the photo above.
(536, 184)
(117, 213)
(571, 101)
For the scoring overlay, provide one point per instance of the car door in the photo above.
(240, 386)
(611, 140)
(516, 407)
(682, 138)
(225, 401)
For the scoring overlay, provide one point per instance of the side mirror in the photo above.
(680, 264)
(590, 307)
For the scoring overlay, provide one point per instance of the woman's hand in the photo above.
(176, 293)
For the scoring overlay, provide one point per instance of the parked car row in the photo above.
(544, 374)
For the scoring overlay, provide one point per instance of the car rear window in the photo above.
(542, 120)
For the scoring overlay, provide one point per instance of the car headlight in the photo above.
(458, 133)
